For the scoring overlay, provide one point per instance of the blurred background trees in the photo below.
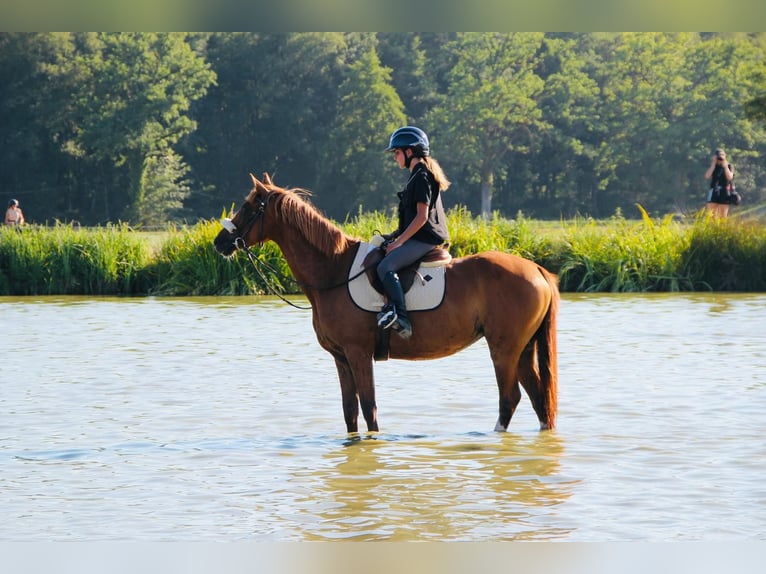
(150, 128)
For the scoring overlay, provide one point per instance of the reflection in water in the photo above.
(389, 488)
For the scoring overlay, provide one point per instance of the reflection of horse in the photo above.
(510, 301)
(367, 492)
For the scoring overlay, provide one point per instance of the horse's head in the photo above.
(245, 228)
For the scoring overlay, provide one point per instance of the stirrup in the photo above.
(387, 317)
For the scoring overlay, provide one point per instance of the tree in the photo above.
(273, 110)
(369, 109)
(555, 176)
(128, 95)
(668, 101)
(412, 72)
(33, 167)
(166, 187)
(490, 108)
(645, 94)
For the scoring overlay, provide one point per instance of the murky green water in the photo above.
(220, 419)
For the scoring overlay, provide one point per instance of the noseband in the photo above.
(239, 237)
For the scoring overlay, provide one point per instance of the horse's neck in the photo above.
(309, 265)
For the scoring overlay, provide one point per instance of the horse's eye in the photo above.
(228, 225)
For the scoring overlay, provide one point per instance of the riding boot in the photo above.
(400, 323)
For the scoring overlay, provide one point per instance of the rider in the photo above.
(422, 223)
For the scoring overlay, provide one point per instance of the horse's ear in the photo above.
(267, 178)
(258, 185)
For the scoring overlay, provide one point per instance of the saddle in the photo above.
(437, 257)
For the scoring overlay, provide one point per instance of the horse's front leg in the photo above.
(348, 394)
(366, 389)
(357, 387)
(360, 363)
(508, 389)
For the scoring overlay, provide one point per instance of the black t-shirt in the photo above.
(422, 188)
(720, 186)
(718, 178)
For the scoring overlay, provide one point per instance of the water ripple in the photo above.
(134, 420)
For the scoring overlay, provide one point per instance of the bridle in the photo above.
(259, 214)
(239, 237)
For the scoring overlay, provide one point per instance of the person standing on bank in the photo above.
(14, 215)
(720, 173)
(422, 223)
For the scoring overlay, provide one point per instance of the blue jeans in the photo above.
(411, 251)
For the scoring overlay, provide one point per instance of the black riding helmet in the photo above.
(410, 137)
(13, 202)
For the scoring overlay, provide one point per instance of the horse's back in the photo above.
(499, 267)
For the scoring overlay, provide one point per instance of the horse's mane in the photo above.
(295, 211)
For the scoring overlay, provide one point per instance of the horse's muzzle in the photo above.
(225, 243)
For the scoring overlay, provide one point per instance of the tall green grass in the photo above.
(589, 256)
(468, 234)
(726, 255)
(188, 264)
(64, 260)
(623, 256)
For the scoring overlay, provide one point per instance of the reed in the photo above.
(589, 256)
(726, 255)
(468, 234)
(188, 264)
(64, 260)
(623, 256)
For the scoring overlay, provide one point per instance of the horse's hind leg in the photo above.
(529, 377)
(364, 380)
(509, 392)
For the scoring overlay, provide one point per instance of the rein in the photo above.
(239, 243)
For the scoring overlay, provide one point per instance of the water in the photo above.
(219, 419)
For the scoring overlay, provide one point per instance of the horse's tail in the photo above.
(547, 355)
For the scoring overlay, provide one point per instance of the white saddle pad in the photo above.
(427, 291)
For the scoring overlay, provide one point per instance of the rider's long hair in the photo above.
(434, 167)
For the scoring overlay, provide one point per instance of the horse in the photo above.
(510, 301)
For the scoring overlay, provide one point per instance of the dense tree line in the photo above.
(149, 128)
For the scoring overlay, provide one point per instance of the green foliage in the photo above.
(188, 264)
(64, 260)
(368, 110)
(468, 234)
(614, 255)
(726, 255)
(623, 256)
(113, 103)
(491, 104)
(166, 187)
(367, 224)
(101, 127)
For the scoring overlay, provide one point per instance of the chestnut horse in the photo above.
(510, 301)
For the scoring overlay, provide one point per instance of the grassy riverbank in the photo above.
(590, 256)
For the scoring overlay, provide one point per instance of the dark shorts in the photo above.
(718, 195)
